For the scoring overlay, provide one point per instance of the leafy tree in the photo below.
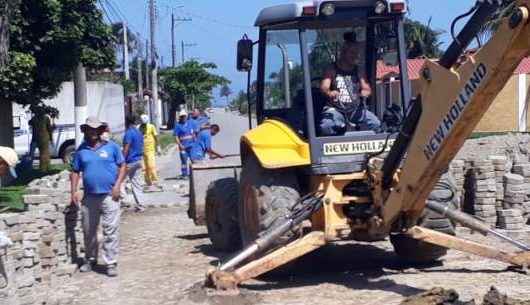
(48, 39)
(194, 81)
(132, 41)
(6, 7)
(240, 102)
(422, 40)
(226, 92)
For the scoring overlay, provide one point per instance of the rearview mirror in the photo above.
(244, 54)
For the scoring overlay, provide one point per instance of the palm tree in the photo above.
(422, 40)
(226, 92)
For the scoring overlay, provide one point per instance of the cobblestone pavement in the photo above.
(150, 265)
(164, 257)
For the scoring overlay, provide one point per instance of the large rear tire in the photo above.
(267, 197)
(415, 251)
(222, 198)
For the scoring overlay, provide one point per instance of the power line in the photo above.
(105, 12)
(117, 9)
(216, 21)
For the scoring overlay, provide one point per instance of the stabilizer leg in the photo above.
(229, 280)
(520, 259)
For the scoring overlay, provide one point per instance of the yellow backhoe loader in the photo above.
(299, 186)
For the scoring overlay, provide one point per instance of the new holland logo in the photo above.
(434, 143)
(351, 148)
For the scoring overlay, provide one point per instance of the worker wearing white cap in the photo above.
(8, 160)
(184, 133)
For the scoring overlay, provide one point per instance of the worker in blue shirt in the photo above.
(203, 144)
(133, 151)
(103, 170)
(185, 132)
(200, 119)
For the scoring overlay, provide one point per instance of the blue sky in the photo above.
(217, 25)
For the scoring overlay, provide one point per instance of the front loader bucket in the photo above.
(202, 175)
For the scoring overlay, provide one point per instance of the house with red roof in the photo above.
(509, 111)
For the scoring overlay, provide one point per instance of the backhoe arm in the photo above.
(453, 101)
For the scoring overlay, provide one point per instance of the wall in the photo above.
(46, 246)
(105, 101)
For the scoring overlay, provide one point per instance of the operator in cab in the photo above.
(346, 89)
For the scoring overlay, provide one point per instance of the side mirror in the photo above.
(244, 54)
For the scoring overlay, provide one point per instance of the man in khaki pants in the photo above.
(103, 168)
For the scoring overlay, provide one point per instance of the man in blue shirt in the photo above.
(203, 144)
(103, 168)
(200, 119)
(133, 151)
(184, 134)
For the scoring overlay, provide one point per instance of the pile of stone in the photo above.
(483, 187)
(500, 166)
(456, 168)
(522, 167)
(515, 192)
(45, 245)
(511, 219)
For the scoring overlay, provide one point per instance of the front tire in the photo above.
(222, 198)
(415, 251)
(267, 197)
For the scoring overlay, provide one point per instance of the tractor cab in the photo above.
(317, 74)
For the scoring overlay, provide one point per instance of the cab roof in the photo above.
(291, 11)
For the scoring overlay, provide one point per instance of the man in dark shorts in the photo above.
(346, 89)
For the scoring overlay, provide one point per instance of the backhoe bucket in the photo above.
(202, 175)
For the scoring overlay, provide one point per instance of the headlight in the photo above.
(380, 7)
(328, 9)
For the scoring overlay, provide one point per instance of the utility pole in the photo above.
(125, 51)
(157, 109)
(173, 51)
(147, 70)
(80, 102)
(173, 46)
(140, 81)
(184, 46)
(140, 77)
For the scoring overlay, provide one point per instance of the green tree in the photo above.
(422, 40)
(6, 7)
(225, 92)
(117, 32)
(194, 81)
(48, 38)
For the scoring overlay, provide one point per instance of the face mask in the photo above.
(105, 136)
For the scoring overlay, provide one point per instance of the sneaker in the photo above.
(87, 266)
(112, 270)
(139, 209)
